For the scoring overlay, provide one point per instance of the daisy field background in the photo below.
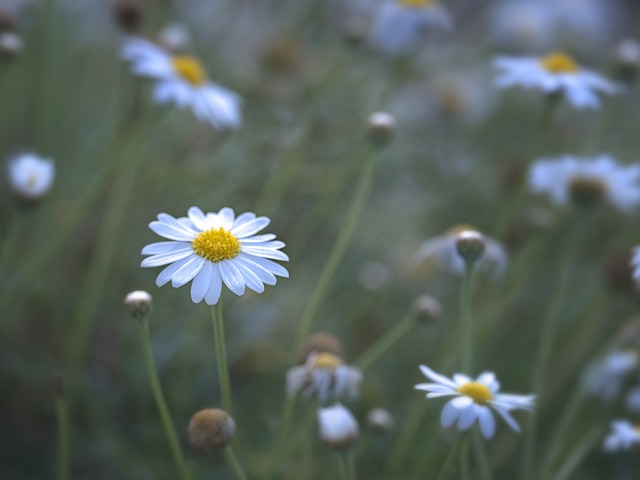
(298, 82)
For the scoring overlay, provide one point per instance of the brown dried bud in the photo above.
(211, 429)
(128, 15)
(321, 342)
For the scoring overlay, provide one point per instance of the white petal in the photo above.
(265, 252)
(461, 379)
(449, 415)
(265, 276)
(268, 265)
(188, 271)
(231, 277)
(201, 282)
(215, 289)
(504, 413)
(436, 377)
(171, 232)
(468, 416)
(168, 273)
(250, 279)
(251, 227)
(462, 402)
(164, 247)
(258, 238)
(165, 258)
(487, 422)
(197, 217)
(244, 218)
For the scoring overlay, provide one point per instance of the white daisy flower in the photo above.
(473, 399)
(623, 436)
(213, 249)
(338, 427)
(635, 264)
(443, 250)
(400, 25)
(326, 376)
(587, 181)
(181, 79)
(524, 24)
(632, 400)
(554, 73)
(30, 176)
(605, 378)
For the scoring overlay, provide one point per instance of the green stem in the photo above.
(481, 454)
(464, 458)
(284, 424)
(161, 404)
(466, 322)
(344, 468)
(578, 454)
(351, 465)
(221, 357)
(233, 463)
(386, 341)
(448, 463)
(352, 217)
(62, 417)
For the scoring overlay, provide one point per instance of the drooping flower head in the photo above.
(399, 26)
(182, 80)
(215, 248)
(30, 176)
(587, 181)
(338, 427)
(624, 435)
(474, 400)
(556, 73)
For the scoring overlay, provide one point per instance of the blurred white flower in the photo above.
(525, 24)
(400, 25)
(586, 181)
(181, 80)
(632, 400)
(326, 376)
(623, 436)
(554, 73)
(213, 249)
(605, 378)
(338, 427)
(473, 399)
(175, 37)
(635, 264)
(30, 176)
(443, 250)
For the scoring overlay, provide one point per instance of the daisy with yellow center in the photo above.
(325, 376)
(400, 26)
(474, 401)
(554, 73)
(182, 80)
(213, 249)
(587, 181)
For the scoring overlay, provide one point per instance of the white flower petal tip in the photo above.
(182, 81)
(203, 249)
(474, 401)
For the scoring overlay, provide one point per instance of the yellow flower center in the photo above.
(559, 63)
(587, 191)
(479, 392)
(216, 245)
(417, 3)
(189, 69)
(327, 360)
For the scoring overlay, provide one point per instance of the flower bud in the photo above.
(321, 342)
(211, 429)
(627, 57)
(428, 308)
(470, 245)
(381, 126)
(11, 44)
(338, 428)
(380, 420)
(175, 37)
(138, 303)
(30, 176)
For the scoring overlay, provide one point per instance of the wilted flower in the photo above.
(605, 378)
(556, 73)
(182, 80)
(211, 429)
(623, 436)
(213, 249)
(326, 376)
(473, 399)
(30, 176)
(400, 25)
(444, 250)
(587, 181)
(338, 428)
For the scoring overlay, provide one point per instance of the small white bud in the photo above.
(138, 303)
(30, 176)
(470, 246)
(11, 44)
(380, 420)
(338, 428)
(381, 127)
(427, 307)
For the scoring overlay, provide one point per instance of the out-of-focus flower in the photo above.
(399, 26)
(182, 80)
(374, 275)
(635, 263)
(175, 37)
(320, 342)
(605, 378)
(525, 25)
(556, 73)
(623, 436)
(211, 429)
(473, 399)
(587, 181)
(326, 376)
(380, 420)
(11, 44)
(138, 303)
(215, 248)
(632, 400)
(30, 176)
(443, 250)
(338, 427)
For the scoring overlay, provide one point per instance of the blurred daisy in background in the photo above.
(400, 25)
(182, 80)
(326, 376)
(524, 25)
(556, 73)
(635, 264)
(587, 181)
(624, 435)
(30, 176)
(473, 399)
(213, 249)
(605, 378)
(443, 250)
(338, 427)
